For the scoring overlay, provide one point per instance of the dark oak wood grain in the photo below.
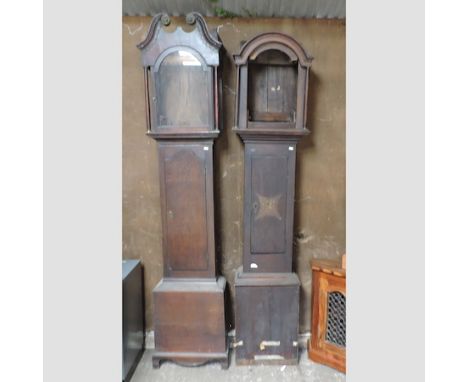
(186, 173)
(190, 321)
(181, 79)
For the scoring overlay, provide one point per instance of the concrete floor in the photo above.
(305, 371)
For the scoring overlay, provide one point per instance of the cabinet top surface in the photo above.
(329, 267)
(128, 266)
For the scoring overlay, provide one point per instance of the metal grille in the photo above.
(336, 319)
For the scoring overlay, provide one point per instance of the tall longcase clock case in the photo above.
(272, 72)
(181, 74)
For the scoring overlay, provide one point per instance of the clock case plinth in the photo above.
(182, 101)
(189, 322)
(272, 82)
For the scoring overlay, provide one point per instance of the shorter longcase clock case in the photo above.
(272, 70)
(182, 100)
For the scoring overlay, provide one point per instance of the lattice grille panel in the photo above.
(336, 319)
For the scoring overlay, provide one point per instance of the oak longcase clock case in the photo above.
(272, 71)
(182, 96)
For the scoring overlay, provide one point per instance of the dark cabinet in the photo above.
(181, 83)
(133, 317)
(272, 83)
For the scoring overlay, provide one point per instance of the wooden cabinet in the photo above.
(272, 83)
(328, 325)
(181, 84)
(133, 317)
